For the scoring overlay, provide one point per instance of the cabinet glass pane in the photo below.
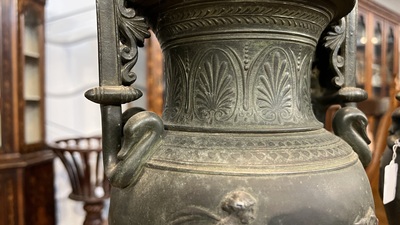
(31, 35)
(376, 40)
(31, 79)
(389, 58)
(361, 41)
(33, 132)
(32, 82)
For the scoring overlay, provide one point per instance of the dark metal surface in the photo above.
(240, 144)
(121, 31)
(335, 66)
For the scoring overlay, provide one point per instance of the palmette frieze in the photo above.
(243, 84)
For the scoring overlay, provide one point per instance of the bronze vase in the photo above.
(238, 142)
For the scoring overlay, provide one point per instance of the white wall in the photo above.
(393, 5)
(71, 69)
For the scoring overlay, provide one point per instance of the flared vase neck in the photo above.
(240, 67)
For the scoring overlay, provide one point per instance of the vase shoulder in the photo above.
(253, 154)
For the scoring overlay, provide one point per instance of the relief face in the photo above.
(368, 219)
(239, 206)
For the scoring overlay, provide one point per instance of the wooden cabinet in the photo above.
(377, 49)
(26, 169)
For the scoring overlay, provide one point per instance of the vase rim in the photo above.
(340, 7)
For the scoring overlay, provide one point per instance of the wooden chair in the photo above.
(82, 159)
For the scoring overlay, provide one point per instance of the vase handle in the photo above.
(335, 84)
(349, 123)
(129, 139)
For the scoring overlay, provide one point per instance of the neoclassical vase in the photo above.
(238, 142)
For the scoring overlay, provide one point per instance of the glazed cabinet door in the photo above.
(376, 41)
(377, 60)
(26, 166)
(31, 76)
(390, 69)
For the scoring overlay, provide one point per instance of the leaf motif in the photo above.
(274, 97)
(132, 31)
(138, 28)
(175, 94)
(215, 96)
(333, 41)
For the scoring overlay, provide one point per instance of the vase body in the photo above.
(242, 145)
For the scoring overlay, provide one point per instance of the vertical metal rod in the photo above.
(109, 76)
(349, 48)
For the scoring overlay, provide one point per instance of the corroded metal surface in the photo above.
(239, 142)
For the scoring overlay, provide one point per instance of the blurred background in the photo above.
(71, 69)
